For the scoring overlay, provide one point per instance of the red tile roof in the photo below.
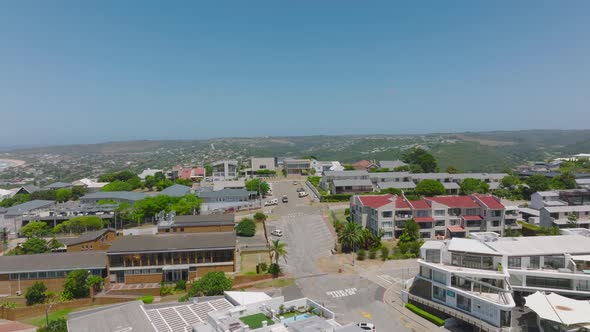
(456, 229)
(455, 201)
(420, 205)
(400, 203)
(490, 201)
(199, 171)
(185, 173)
(362, 164)
(376, 201)
(472, 218)
(424, 219)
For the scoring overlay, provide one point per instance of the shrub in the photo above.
(75, 286)
(211, 284)
(56, 325)
(147, 299)
(432, 318)
(336, 198)
(36, 294)
(274, 269)
(384, 253)
(263, 267)
(361, 255)
(347, 211)
(246, 227)
(373, 253)
(180, 285)
(166, 290)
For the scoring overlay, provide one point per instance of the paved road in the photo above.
(306, 234)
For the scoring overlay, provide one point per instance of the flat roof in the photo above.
(204, 220)
(53, 262)
(176, 190)
(129, 316)
(542, 245)
(567, 208)
(127, 195)
(433, 244)
(346, 173)
(173, 242)
(28, 206)
(471, 246)
(359, 182)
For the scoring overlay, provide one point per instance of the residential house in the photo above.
(262, 164)
(117, 196)
(319, 167)
(225, 170)
(364, 165)
(58, 185)
(198, 224)
(351, 186)
(176, 190)
(91, 186)
(565, 216)
(17, 273)
(149, 172)
(553, 198)
(99, 240)
(391, 164)
(26, 189)
(296, 166)
(330, 176)
(141, 259)
(479, 277)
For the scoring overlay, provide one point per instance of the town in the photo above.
(299, 244)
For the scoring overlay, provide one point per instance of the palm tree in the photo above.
(276, 250)
(350, 236)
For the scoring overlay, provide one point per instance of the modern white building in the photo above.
(225, 170)
(149, 172)
(481, 276)
(324, 166)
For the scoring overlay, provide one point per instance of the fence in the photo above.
(314, 191)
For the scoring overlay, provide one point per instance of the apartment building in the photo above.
(261, 164)
(296, 166)
(565, 216)
(320, 167)
(481, 276)
(438, 217)
(225, 170)
(554, 198)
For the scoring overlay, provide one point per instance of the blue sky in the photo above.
(93, 71)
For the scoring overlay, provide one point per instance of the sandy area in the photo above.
(14, 162)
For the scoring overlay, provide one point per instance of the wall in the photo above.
(38, 310)
(200, 229)
(201, 271)
(101, 244)
(143, 278)
(11, 286)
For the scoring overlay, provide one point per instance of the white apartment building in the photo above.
(551, 216)
(438, 217)
(480, 276)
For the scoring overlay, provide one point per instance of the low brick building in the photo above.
(170, 257)
(198, 224)
(99, 240)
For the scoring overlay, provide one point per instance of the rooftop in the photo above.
(346, 173)
(455, 201)
(204, 220)
(28, 206)
(471, 246)
(53, 262)
(172, 242)
(375, 201)
(227, 192)
(124, 195)
(85, 237)
(360, 182)
(541, 245)
(176, 190)
(567, 208)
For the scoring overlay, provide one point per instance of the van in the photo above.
(302, 194)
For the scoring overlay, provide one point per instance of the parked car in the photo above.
(300, 190)
(367, 326)
(277, 232)
(295, 183)
(285, 199)
(274, 201)
(302, 194)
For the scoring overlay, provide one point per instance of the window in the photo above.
(423, 213)
(439, 293)
(425, 272)
(387, 214)
(543, 282)
(432, 256)
(514, 262)
(182, 229)
(496, 223)
(554, 262)
(439, 277)
(439, 223)
(583, 285)
(471, 212)
(425, 235)
(534, 262)
(387, 224)
(472, 261)
(463, 303)
(439, 212)
(515, 279)
(388, 235)
(496, 213)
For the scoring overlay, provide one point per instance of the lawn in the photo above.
(40, 320)
(249, 260)
(276, 283)
(255, 321)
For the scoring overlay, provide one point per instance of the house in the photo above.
(551, 198)
(17, 273)
(176, 190)
(12, 218)
(149, 172)
(198, 224)
(391, 164)
(58, 185)
(364, 165)
(91, 186)
(480, 277)
(319, 167)
(234, 184)
(5, 194)
(296, 166)
(225, 170)
(99, 240)
(351, 186)
(330, 176)
(117, 196)
(559, 216)
(261, 164)
(140, 259)
(26, 189)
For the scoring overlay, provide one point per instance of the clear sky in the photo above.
(92, 71)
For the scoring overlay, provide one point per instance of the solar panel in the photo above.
(181, 318)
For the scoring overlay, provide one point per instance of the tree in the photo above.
(350, 236)
(348, 167)
(393, 191)
(35, 229)
(246, 227)
(405, 168)
(384, 253)
(94, 282)
(188, 204)
(48, 194)
(277, 250)
(117, 186)
(76, 286)
(63, 194)
(361, 255)
(56, 325)
(509, 182)
(415, 168)
(77, 192)
(421, 157)
(572, 219)
(566, 180)
(537, 182)
(257, 185)
(149, 182)
(260, 217)
(79, 225)
(452, 170)
(411, 231)
(150, 206)
(36, 294)
(208, 170)
(15, 200)
(184, 182)
(211, 284)
(470, 186)
(34, 245)
(429, 187)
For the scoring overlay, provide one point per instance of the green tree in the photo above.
(260, 217)
(452, 170)
(149, 182)
(361, 255)
(411, 231)
(208, 170)
(184, 182)
(572, 219)
(350, 236)
(15, 200)
(471, 186)
(150, 206)
(277, 250)
(429, 187)
(384, 253)
(77, 192)
(76, 286)
(348, 167)
(421, 157)
(48, 194)
(118, 186)
(246, 227)
(188, 204)
(35, 229)
(79, 225)
(405, 168)
(509, 182)
(566, 180)
(94, 282)
(63, 194)
(36, 294)
(393, 191)
(211, 284)
(34, 245)
(257, 185)
(415, 168)
(537, 182)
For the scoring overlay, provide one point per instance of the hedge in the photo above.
(147, 299)
(336, 198)
(426, 315)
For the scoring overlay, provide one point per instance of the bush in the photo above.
(75, 286)
(166, 290)
(263, 267)
(361, 255)
(274, 269)
(384, 253)
(432, 318)
(336, 198)
(147, 299)
(56, 325)
(180, 285)
(347, 211)
(246, 227)
(211, 284)
(373, 253)
(36, 294)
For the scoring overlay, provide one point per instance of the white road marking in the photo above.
(342, 292)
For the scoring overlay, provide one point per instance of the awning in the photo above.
(175, 267)
(424, 219)
(456, 229)
(472, 218)
(583, 258)
(559, 309)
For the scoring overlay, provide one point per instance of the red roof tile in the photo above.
(456, 229)
(472, 218)
(400, 203)
(424, 219)
(362, 164)
(455, 201)
(199, 171)
(420, 205)
(376, 201)
(490, 201)
(185, 173)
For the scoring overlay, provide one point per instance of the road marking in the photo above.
(366, 315)
(342, 292)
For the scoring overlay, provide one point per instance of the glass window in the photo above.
(387, 214)
(432, 256)
(534, 262)
(440, 223)
(515, 279)
(514, 262)
(425, 272)
(463, 302)
(439, 293)
(42, 275)
(554, 262)
(439, 212)
(542, 282)
(439, 277)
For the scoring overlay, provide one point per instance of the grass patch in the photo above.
(40, 320)
(147, 299)
(426, 315)
(255, 321)
(276, 283)
(249, 260)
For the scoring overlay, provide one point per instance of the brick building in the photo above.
(198, 224)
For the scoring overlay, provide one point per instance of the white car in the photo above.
(367, 326)
(302, 194)
(277, 232)
(274, 201)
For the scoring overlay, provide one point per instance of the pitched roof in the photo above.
(85, 237)
(420, 205)
(28, 206)
(376, 201)
(353, 182)
(53, 262)
(391, 164)
(199, 171)
(472, 218)
(185, 173)
(455, 201)
(126, 195)
(171, 242)
(401, 203)
(489, 201)
(204, 220)
(176, 190)
(362, 164)
(456, 229)
(58, 185)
